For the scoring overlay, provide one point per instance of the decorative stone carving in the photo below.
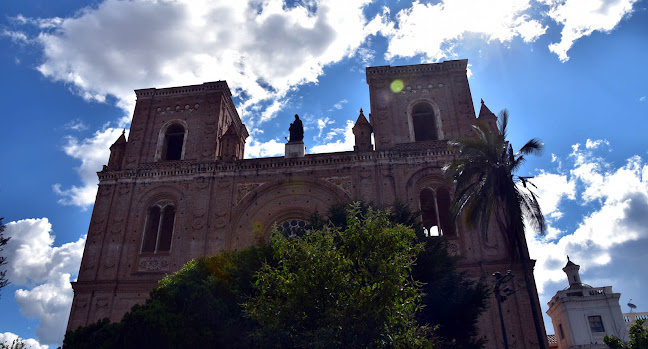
(220, 222)
(343, 183)
(223, 184)
(101, 302)
(202, 184)
(117, 225)
(206, 152)
(198, 223)
(81, 303)
(124, 189)
(135, 134)
(111, 260)
(156, 263)
(209, 129)
(105, 190)
(453, 248)
(365, 174)
(97, 226)
(244, 189)
(176, 109)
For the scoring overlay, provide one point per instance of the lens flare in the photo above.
(397, 85)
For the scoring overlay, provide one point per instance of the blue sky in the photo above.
(571, 73)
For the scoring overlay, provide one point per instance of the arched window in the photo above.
(428, 212)
(424, 122)
(158, 230)
(445, 218)
(173, 142)
(435, 211)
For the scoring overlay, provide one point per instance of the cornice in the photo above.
(389, 71)
(434, 153)
(191, 89)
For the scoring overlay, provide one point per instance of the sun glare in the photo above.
(397, 85)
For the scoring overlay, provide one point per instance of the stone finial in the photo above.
(487, 116)
(362, 120)
(362, 132)
(117, 152)
(484, 111)
(573, 276)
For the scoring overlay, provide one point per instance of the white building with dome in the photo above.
(583, 315)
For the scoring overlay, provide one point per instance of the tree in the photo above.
(486, 188)
(200, 305)
(638, 338)
(3, 260)
(196, 307)
(450, 301)
(341, 288)
(15, 344)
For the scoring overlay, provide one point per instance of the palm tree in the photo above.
(486, 188)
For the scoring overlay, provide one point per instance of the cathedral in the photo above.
(179, 188)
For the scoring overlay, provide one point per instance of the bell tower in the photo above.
(419, 103)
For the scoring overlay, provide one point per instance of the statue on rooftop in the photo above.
(296, 130)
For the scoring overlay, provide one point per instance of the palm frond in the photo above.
(503, 123)
(532, 147)
(485, 185)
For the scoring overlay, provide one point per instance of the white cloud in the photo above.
(642, 99)
(7, 338)
(339, 104)
(43, 23)
(551, 189)
(93, 153)
(321, 125)
(346, 143)
(617, 222)
(593, 144)
(257, 149)
(50, 303)
(582, 17)
(76, 125)
(263, 49)
(31, 257)
(16, 37)
(433, 29)
(45, 273)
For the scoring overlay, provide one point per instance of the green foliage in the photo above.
(16, 343)
(198, 306)
(3, 260)
(349, 284)
(102, 334)
(341, 288)
(614, 342)
(638, 338)
(452, 302)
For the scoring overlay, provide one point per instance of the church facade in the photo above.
(179, 188)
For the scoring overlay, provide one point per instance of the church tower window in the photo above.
(158, 230)
(424, 122)
(428, 212)
(173, 142)
(435, 212)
